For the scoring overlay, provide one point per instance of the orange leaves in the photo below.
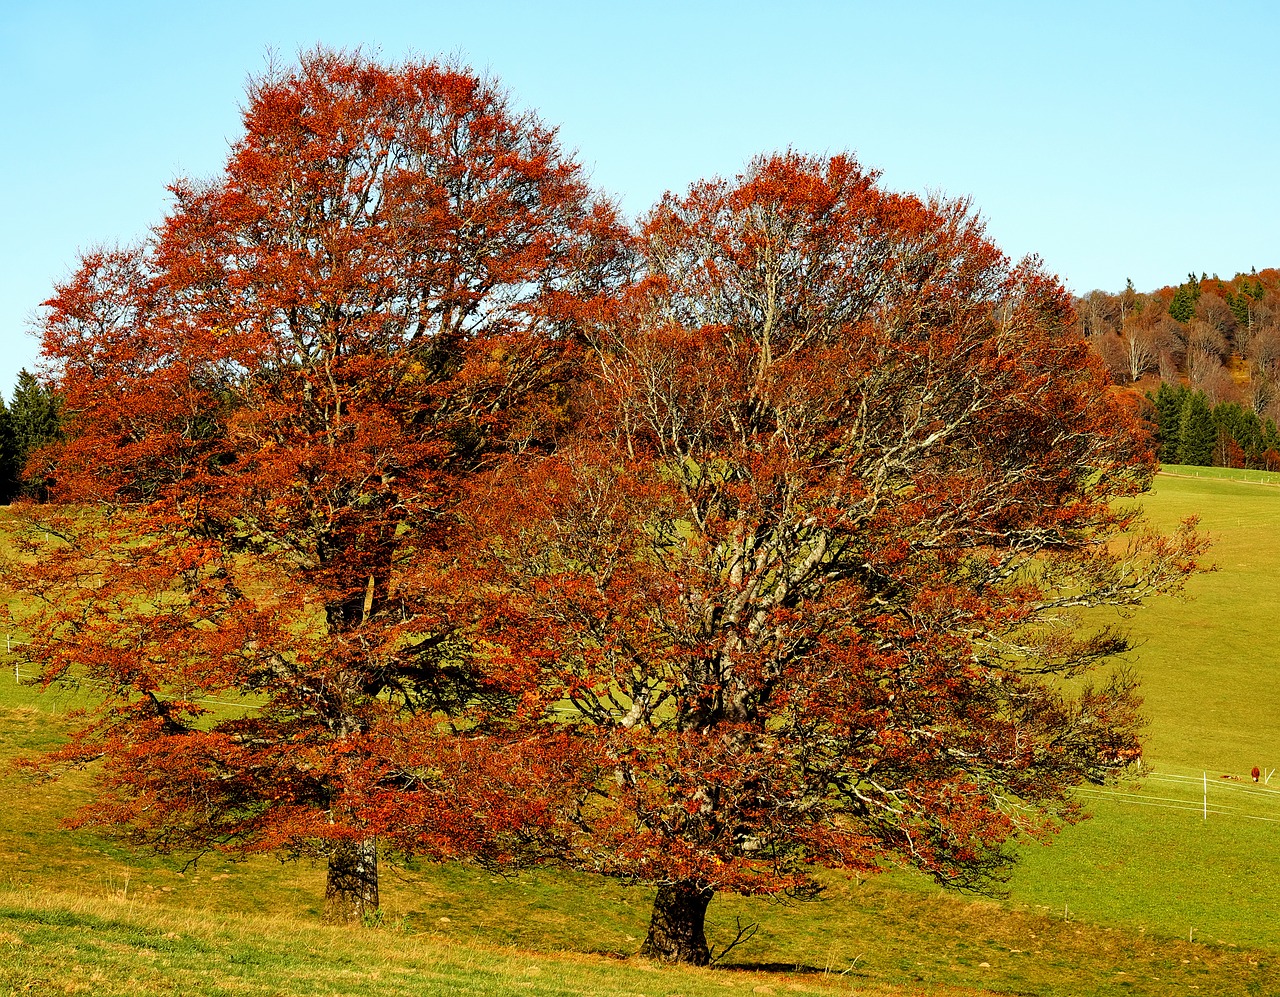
(795, 571)
(290, 388)
(700, 553)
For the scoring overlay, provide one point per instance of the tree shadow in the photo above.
(773, 967)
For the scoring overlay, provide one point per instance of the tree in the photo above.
(35, 420)
(1197, 434)
(1142, 344)
(1182, 307)
(273, 406)
(1261, 350)
(1168, 403)
(8, 455)
(1100, 313)
(804, 576)
(1214, 310)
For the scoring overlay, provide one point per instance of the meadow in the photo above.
(1169, 888)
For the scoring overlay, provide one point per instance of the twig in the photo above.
(745, 934)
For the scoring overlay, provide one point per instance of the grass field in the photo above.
(1108, 908)
(1210, 670)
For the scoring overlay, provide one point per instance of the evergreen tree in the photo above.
(1168, 402)
(1196, 432)
(8, 456)
(1183, 305)
(36, 418)
(1243, 427)
(1239, 305)
(1270, 437)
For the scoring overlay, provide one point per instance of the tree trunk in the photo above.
(351, 892)
(676, 929)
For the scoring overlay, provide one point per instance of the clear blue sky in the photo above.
(1116, 140)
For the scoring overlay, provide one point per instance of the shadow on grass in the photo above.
(795, 969)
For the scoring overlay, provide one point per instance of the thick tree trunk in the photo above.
(351, 892)
(676, 929)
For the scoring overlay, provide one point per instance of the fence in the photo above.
(9, 645)
(1230, 797)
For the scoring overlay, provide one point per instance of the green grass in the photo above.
(1210, 672)
(1211, 666)
(1105, 909)
(60, 944)
(1221, 474)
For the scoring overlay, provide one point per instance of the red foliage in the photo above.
(273, 405)
(757, 561)
(840, 478)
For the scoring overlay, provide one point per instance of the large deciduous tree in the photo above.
(804, 580)
(272, 407)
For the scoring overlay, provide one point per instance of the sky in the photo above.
(1115, 140)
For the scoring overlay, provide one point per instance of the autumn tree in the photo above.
(804, 577)
(273, 406)
(1262, 352)
(1098, 313)
(1140, 345)
(1213, 310)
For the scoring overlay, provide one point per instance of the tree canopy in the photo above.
(806, 571)
(274, 404)
(695, 554)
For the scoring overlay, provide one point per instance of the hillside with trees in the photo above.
(1203, 357)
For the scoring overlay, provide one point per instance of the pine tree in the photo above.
(1239, 305)
(1196, 432)
(1169, 402)
(1183, 305)
(1240, 426)
(36, 419)
(8, 456)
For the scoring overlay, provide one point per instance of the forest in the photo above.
(1202, 360)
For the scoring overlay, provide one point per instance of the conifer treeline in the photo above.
(1190, 431)
(28, 422)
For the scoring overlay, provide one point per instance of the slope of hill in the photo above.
(1109, 908)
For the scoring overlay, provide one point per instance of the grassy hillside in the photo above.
(1108, 908)
(1210, 670)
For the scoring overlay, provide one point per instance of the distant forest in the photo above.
(1204, 357)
